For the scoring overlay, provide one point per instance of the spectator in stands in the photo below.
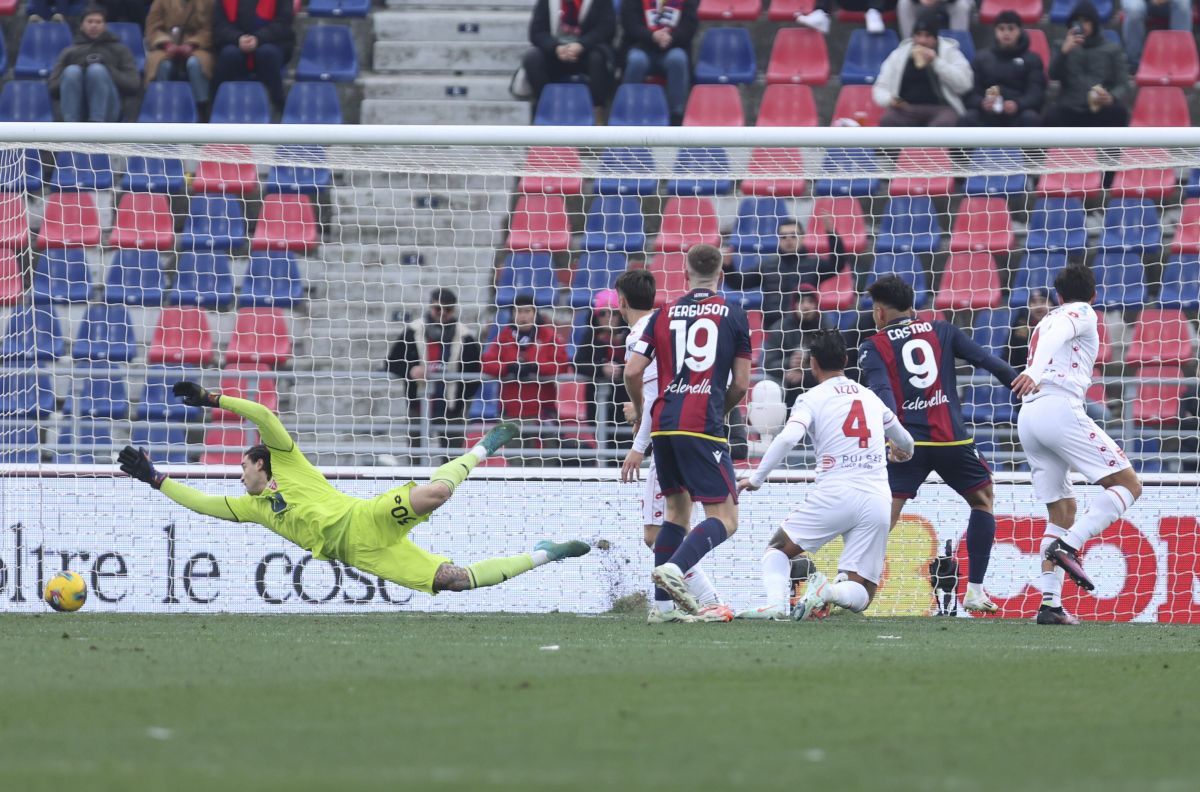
(955, 14)
(254, 41)
(1133, 29)
(434, 350)
(786, 271)
(54, 10)
(1010, 82)
(1027, 318)
(921, 83)
(179, 41)
(1094, 80)
(93, 74)
(525, 357)
(572, 37)
(785, 346)
(658, 35)
(599, 357)
(873, 10)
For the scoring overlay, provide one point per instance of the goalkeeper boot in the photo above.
(715, 613)
(812, 605)
(557, 551)
(669, 578)
(1067, 557)
(673, 616)
(979, 603)
(1048, 615)
(500, 436)
(764, 613)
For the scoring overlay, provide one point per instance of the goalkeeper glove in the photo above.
(136, 464)
(195, 396)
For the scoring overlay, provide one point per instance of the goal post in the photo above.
(286, 262)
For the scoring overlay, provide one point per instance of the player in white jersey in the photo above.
(635, 290)
(1058, 437)
(851, 498)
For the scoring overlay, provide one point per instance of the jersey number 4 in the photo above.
(855, 424)
(690, 350)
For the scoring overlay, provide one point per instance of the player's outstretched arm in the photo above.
(270, 428)
(793, 432)
(635, 366)
(966, 349)
(135, 463)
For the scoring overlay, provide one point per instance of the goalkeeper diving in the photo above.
(288, 495)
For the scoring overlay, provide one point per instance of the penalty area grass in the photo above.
(417, 701)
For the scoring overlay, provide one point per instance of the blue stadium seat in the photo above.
(60, 275)
(20, 170)
(20, 441)
(1146, 452)
(33, 333)
(1120, 279)
(242, 102)
(77, 171)
(991, 330)
(214, 222)
(166, 443)
(85, 441)
(756, 229)
(564, 104)
(849, 161)
(204, 280)
(149, 174)
(40, 47)
(988, 404)
(312, 103)
(327, 55)
(639, 104)
(486, 406)
(1181, 283)
(26, 100)
(1060, 10)
(711, 166)
(527, 273)
(25, 394)
(272, 281)
(726, 56)
(1037, 272)
(1057, 225)
(1004, 172)
(130, 34)
(339, 8)
(135, 277)
(965, 42)
(168, 103)
(747, 300)
(158, 403)
(614, 223)
(595, 272)
(1132, 225)
(909, 225)
(865, 54)
(105, 334)
(628, 171)
(103, 393)
(307, 179)
(905, 265)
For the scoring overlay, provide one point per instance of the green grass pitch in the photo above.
(427, 702)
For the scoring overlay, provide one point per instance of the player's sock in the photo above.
(703, 538)
(849, 594)
(981, 534)
(1102, 512)
(975, 588)
(701, 586)
(670, 536)
(777, 576)
(493, 571)
(1052, 581)
(455, 471)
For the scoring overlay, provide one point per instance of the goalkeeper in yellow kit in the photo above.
(288, 495)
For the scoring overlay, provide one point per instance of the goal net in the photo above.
(368, 285)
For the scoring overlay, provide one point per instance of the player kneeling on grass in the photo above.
(851, 498)
(286, 494)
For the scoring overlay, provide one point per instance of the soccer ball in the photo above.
(66, 591)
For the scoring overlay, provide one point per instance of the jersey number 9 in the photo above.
(925, 371)
(690, 351)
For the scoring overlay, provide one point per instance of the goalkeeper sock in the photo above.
(848, 594)
(1102, 512)
(1052, 580)
(981, 534)
(670, 535)
(703, 539)
(777, 576)
(701, 586)
(455, 471)
(493, 571)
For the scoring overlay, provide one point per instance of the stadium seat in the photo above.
(213, 222)
(261, 337)
(626, 171)
(76, 171)
(20, 170)
(272, 281)
(14, 224)
(71, 220)
(130, 34)
(144, 221)
(988, 404)
(687, 221)
(288, 222)
(909, 225)
(202, 279)
(1120, 280)
(166, 443)
(103, 393)
(552, 161)
(1038, 271)
(1057, 225)
(182, 336)
(327, 54)
(26, 394)
(527, 272)
(105, 334)
(787, 106)
(1161, 336)
(1157, 403)
(12, 283)
(906, 266)
(865, 54)
(670, 273)
(26, 100)
(838, 293)
(1148, 181)
(60, 275)
(224, 445)
(305, 176)
(1181, 283)
(639, 104)
(244, 102)
(85, 441)
(1060, 10)
(20, 441)
(1169, 58)
(729, 10)
(1160, 106)
(981, 225)
(565, 104)
(158, 403)
(262, 389)
(594, 272)
(539, 222)
(135, 277)
(149, 174)
(1030, 11)
(223, 176)
(312, 103)
(966, 44)
(764, 166)
(714, 105)
(1039, 45)
(40, 48)
(990, 329)
(756, 229)
(1000, 172)
(969, 283)
(339, 8)
(931, 168)
(1131, 225)
(1187, 231)
(33, 334)
(799, 55)
(1065, 181)
(614, 223)
(849, 226)
(850, 161)
(726, 55)
(789, 10)
(854, 103)
(168, 103)
(710, 166)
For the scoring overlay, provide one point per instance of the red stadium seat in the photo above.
(846, 215)
(787, 106)
(230, 178)
(225, 445)
(143, 222)
(923, 161)
(12, 285)
(1157, 403)
(799, 56)
(1161, 337)
(1067, 184)
(981, 225)
(722, 10)
(1039, 45)
(1149, 181)
(261, 337)
(14, 224)
(71, 220)
(572, 402)
(789, 10)
(766, 162)
(539, 223)
(969, 283)
(182, 336)
(928, 316)
(557, 159)
(261, 390)
(1030, 11)
(714, 105)
(855, 102)
(687, 221)
(858, 17)
(670, 272)
(1169, 58)
(1160, 106)
(754, 319)
(838, 293)
(1187, 233)
(288, 222)
(8, 7)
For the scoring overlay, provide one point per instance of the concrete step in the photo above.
(383, 111)
(414, 180)
(483, 57)
(458, 26)
(434, 87)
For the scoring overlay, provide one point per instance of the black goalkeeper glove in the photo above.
(195, 396)
(135, 463)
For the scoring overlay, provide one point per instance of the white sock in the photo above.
(664, 606)
(539, 557)
(975, 588)
(777, 576)
(1052, 581)
(1102, 512)
(849, 594)
(701, 586)
(480, 452)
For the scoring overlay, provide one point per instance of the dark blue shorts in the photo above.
(960, 466)
(703, 468)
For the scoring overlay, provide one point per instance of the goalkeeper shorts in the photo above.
(378, 543)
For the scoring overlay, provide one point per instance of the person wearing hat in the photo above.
(956, 14)
(1092, 74)
(1010, 81)
(921, 83)
(599, 352)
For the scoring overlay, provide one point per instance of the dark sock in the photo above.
(981, 533)
(703, 538)
(670, 535)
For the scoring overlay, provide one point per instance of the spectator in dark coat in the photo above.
(1010, 81)
(658, 35)
(525, 357)
(254, 40)
(93, 74)
(783, 353)
(599, 355)
(1027, 318)
(571, 37)
(1093, 75)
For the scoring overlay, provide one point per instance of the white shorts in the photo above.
(654, 505)
(1059, 437)
(861, 517)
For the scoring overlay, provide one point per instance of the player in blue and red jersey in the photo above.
(910, 366)
(701, 345)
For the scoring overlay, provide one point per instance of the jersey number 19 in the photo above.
(690, 351)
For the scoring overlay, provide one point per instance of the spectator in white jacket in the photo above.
(924, 79)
